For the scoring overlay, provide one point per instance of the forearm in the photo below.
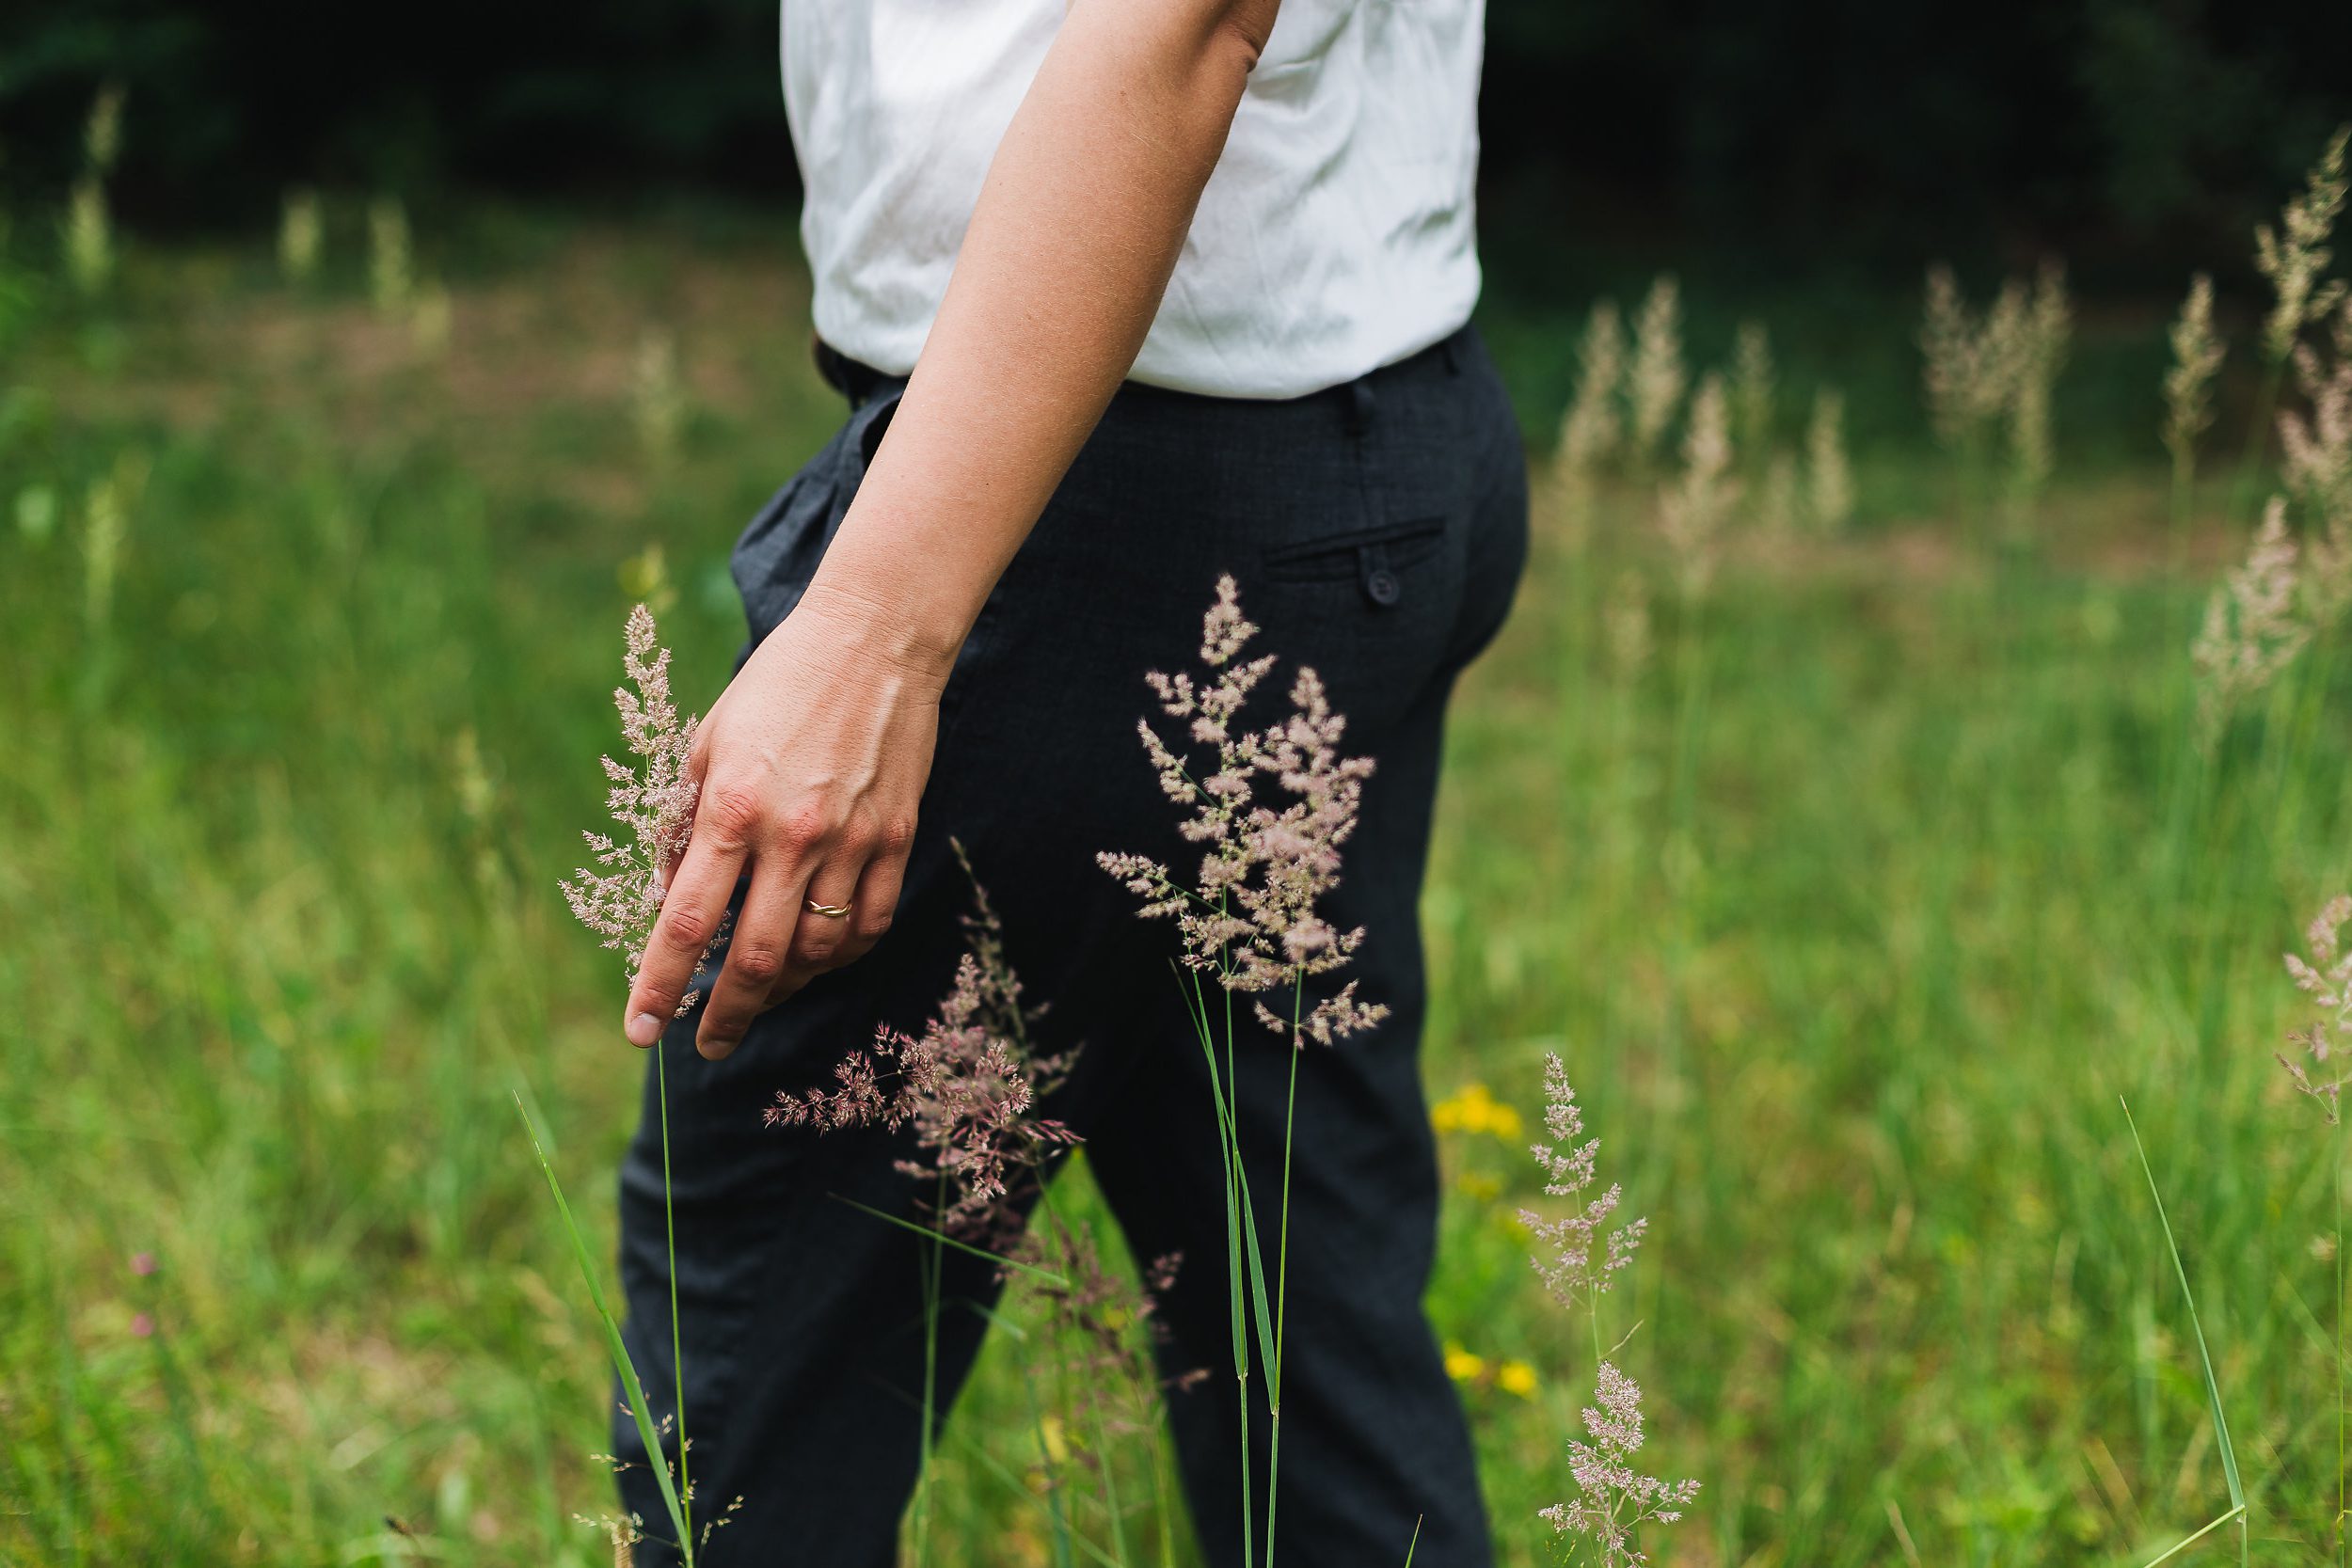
(1069, 247)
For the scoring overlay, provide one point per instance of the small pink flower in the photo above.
(1572, 1271)
(143, 1326)
(968, 1084)
(1250, 917)
(651, 799)
(142, 1264)
(1615, 1499)
(2325, 977)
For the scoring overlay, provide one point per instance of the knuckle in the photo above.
(804, 827)
(895, 836)
(873, 925)
(814, 949)
(686, 931)
(734, 811)
(759, 963)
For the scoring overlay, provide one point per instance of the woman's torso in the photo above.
(1334, 237)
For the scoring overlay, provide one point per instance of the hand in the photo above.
(811, 766)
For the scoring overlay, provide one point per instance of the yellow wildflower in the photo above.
(1474, 1109)
(1461, 1366)
(1515, 1377)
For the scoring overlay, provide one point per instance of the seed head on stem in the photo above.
(2196, 355)
(1251, 918)
(1614, 1498)
(2251, 631)
(1579, 1254)
(2294, 255)
(968, 1084)
(651, 798)
(2326, 977)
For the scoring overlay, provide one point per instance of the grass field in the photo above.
(1854, 893)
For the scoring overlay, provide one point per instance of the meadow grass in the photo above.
(1851, 891)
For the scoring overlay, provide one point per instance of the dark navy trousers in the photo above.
(1378, 531)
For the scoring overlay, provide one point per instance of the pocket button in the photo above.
(1381, 586)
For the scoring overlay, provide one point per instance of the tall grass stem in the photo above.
(2204, 1357)
(677, 1352)
(1281, 1278)
(930, 1378)
(2235, 1515)
(930, 1234)
(631, 1389)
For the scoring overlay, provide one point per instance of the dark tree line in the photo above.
(1890, 125)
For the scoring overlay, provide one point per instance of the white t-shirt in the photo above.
(1334, 237)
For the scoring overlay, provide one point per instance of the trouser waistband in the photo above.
(858, 381)
(851, 378)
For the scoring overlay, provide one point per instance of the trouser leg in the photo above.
(1378, 532)
(1372, 1439)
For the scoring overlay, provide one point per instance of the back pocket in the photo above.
(1339, 556)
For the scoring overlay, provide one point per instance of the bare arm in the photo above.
(813, 761)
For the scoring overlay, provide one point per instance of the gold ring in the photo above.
(830, 911)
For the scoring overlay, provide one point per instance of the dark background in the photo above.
(2127, 135)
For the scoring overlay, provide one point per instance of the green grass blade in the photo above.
(1229, 1151)
(2204, 1357)
(1229, 1119)
(635, 1390)
(2235, 1514)
(1056, 1513)
(669, 1237)
(1020, 1488)
(1264, 1311)
(978, 1451)
(1197, 1007)
(997, 1322)
(1414, 1543)
(946, 1239)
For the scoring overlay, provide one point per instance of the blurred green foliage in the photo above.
(1853, 893)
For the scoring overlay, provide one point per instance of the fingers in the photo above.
(824, 941)
(818, 942)
(692, 911)
(755, 958)
(875, 902)
(867, 883)
(778, 943)
(863, 876)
